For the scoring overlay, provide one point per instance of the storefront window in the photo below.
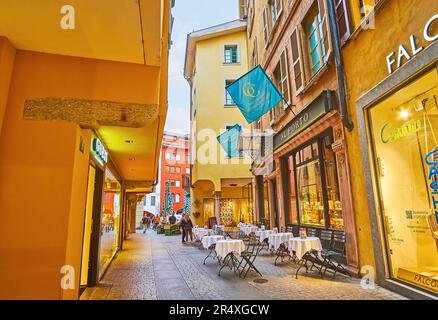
(313, 186)
(310, 196)
(404, 131)
(110, 223)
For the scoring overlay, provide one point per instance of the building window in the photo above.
(153, 199)
(171, 183)
(228, 100)
(265, 25)
(297, 61)
(177, 198)
(177, 183)
(254, 57)
(314, 198)
(187, 170)
(276, 10)
(404, 130)
(178, 157)
(231, 54)
(343, 20)
(281, 80)
(250, 17)
(178, 170)
(167, 156)
(318, 42)
(172, 197)
(187, 158)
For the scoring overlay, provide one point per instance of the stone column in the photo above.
(351, 246)
(217, 206)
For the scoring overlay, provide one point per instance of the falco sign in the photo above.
(405, 53)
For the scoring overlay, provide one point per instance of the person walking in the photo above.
(145, 221)
(188, 226)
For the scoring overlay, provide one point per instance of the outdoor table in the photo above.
(209, 242)
(249, 229)
(263, 234)
(227, 249)
(276, 239)
(199, 233)
(301, 246)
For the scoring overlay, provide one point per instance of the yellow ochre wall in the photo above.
(43, 175)
(7, 56)
(209, 81)
(365, 66)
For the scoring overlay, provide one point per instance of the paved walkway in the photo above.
(157, 267)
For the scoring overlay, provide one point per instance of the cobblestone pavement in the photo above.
(157, 267)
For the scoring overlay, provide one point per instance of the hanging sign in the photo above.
(100, 153)
(432, 163)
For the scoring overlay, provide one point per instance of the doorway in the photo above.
(92, 229)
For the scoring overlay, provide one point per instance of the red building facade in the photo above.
(175, 168)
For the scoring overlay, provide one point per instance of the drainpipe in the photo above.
(348, 123)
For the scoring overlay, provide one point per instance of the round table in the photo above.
(208, 241)
(263, 234)
(276, 239)
(201, 232)
(224, 247)
(249, 229)
(302, 246)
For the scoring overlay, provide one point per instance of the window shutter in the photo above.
(265, 25)
(284, 77)
(343, 20)
(325, 28)
(297, 62)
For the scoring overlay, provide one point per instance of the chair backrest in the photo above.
(311, 232)
(289, 229)
(326, 239)
(296, 231)
(282, 229)
(339, 239)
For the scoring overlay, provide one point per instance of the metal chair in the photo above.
(248, 257)
(333, 257)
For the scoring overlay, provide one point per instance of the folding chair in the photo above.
(249, 256)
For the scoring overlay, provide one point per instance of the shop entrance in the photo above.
(91, 237)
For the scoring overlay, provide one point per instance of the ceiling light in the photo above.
(404, 114)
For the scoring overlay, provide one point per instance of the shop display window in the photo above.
(404, 134)
(313, 186)
(110, 223)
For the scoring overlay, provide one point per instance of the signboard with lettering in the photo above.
(405, 53)
(319, 107)
(99, 151)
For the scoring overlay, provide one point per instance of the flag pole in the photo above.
(290, 107)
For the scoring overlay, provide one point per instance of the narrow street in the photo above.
(155, 267)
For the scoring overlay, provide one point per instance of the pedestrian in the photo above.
(187, 228)
(145, 221)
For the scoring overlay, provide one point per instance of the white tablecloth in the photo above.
(301, 246)
(276, 239)
(224, 247)
(207, 241)
(201, 232)
(247, 230)
(263, 234)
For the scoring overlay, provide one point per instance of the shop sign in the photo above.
(99, 151)
(400, 132)
(304, 119)
(432, 163)
(404, 54)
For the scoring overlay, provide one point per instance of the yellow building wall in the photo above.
(209, 83)
(365, 66)
(43, 175)
(7, 56)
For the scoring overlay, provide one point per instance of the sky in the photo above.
(190, 15)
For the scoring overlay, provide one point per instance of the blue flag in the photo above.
(254, 94)
(229, 140)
